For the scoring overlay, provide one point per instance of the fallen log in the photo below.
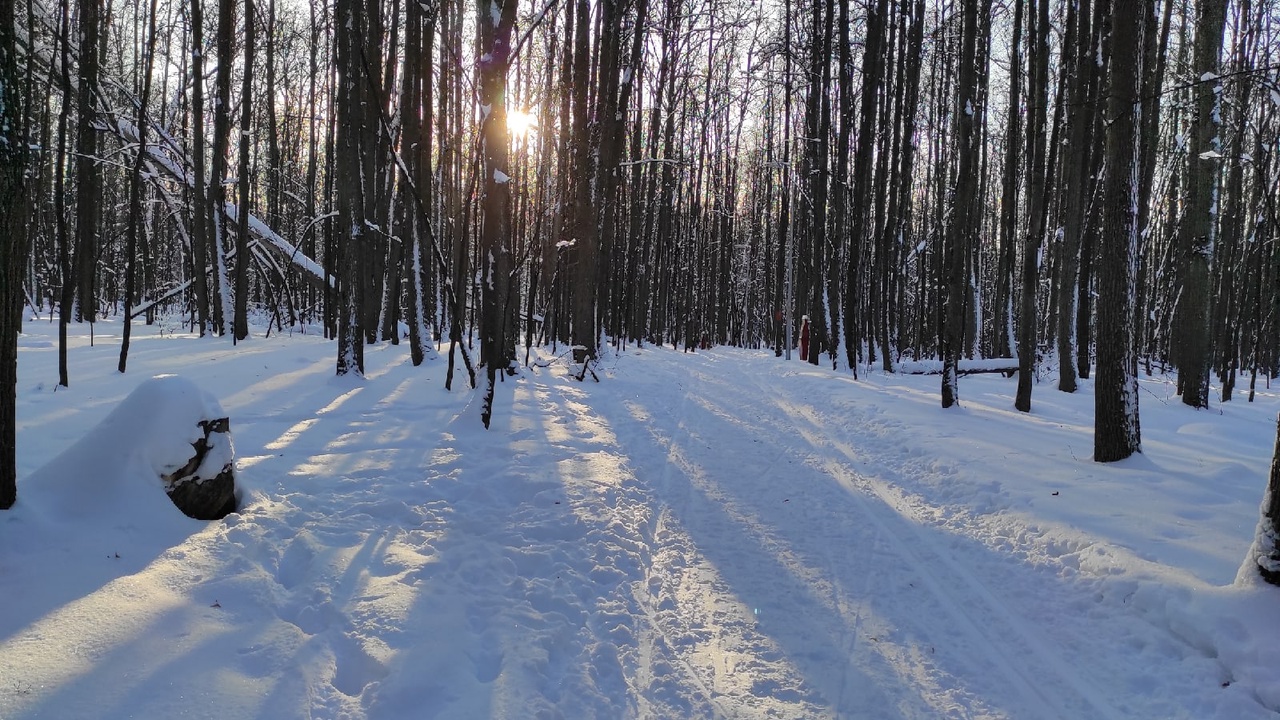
(976, 366)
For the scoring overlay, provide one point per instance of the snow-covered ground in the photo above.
(721, 534)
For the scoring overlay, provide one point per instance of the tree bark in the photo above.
(240, 326)
(1038, 101)
(496, 19)
(961, 225)
(14, 156)
(1196, 232)
(355, 49)
(1009, 194)
(135, 192)
(88, 174)
(1117, 433)
(200, 217)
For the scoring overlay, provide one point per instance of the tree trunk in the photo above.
(1037, 100)
(216, 217)
(1075, 169)
(356, 49)
(1196, 232)
(585, 211)
(872, 77)
(961, 226)
(88, 174)
(1116, 433)
(1009, 194)
(135, 192)
(496, 19)
(14, 154)
(240, 327)
(200, 200)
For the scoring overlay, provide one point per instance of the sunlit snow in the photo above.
(719, 534)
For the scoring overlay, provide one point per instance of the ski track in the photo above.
(947, 640)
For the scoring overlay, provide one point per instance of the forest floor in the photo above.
(719, 534)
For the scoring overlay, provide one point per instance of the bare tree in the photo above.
(14, 155)
(961, 225)
(356, 51)
(1195, 234)
(135, 189)
(240, 326)
(200, 199)
(88, 174)
(1116, 433)
(1038, 102)
(496, 19)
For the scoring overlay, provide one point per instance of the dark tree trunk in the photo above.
(357, 52)
(240, 327)
(961, 225)
(216, 216)
(1009, 194)
(1075, 170)
(88, 174)
(1195, 233)
(495, 241)
(1116, 433)
(200, 200)
(585, 212)
(1267, 543)
(135, 193)
(66, 268)
(14, 156)
(1037, 100)
(859, 222)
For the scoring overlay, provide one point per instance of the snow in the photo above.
(713, 534)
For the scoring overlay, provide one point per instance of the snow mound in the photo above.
(116, 469)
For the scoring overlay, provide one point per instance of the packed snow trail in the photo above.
(709, 535)
(819, 574)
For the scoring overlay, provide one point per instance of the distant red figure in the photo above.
(804, 337)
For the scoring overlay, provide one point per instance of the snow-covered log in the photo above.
(1006, 366)
(166, 444)
(205, 487)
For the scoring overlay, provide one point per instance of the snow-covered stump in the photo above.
(165, 447)
(192, 488)
(1266, 545)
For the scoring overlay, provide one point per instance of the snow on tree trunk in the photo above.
(1264, 556)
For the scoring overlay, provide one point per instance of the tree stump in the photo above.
(200, 492)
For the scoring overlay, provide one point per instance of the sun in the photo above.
(520, 123)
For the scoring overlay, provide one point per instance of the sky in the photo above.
(719, 534)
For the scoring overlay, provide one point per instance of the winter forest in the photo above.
(1085, 183)
(705, 269)
(1088, 184)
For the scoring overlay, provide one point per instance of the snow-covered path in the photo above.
(709, 535)
(798, 586)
